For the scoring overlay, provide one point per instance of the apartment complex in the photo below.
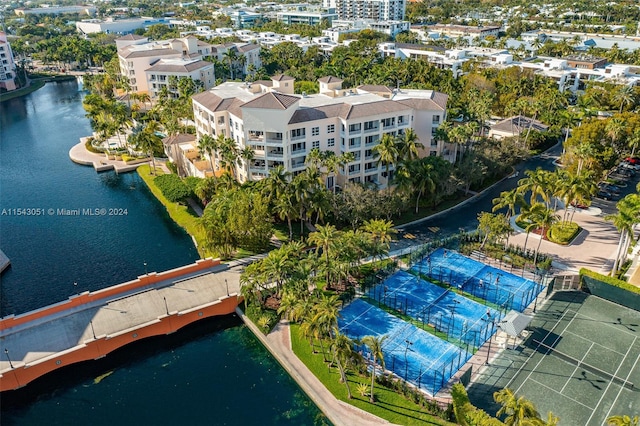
(377, 10)
(282, 128)
(7, 65)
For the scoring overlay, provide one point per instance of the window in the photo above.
(369, 140)
(315, 144)
(388, 122)
(297, 133)
(371, 125)
(315, 131)
(354, 128)
(331, 142)
(354, 142)
(436, 119)
(331, 128)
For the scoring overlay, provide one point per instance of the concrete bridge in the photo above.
(90, 325)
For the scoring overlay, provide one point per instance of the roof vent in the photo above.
(304, 94)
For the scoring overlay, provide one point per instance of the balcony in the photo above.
(354, 146)
(275, 154)
(298, 138)
(372, 129)
(297, 165)
(298, 152)
(354, 172)
(389, 126)
(255, 137)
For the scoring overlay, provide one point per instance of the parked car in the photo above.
(632, 160)
(604, 195)
(630, 166)
(609, 187)
(579, 206)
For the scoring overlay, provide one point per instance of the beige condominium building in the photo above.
(282, 128)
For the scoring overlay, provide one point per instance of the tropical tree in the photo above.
(409, 145)
(518, 410)
(387, 153)
(344, 355)
(543, 218)
(625, 219)
(382, 232)
(324, 239)
(207, 144)
(147, 140)
(537, 182)
(374, 344)
(624, 95)
(623, 421)
(509, 199)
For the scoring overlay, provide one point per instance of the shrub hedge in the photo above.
(563, 233)
(172, 187)
(610, 281)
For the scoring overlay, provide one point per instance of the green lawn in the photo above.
(389, 405)
(181, 214)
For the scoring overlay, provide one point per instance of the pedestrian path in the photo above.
(79, 155)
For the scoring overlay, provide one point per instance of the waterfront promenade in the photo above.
(90, 325)
(79, 155)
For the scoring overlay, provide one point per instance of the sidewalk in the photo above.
(339, 413)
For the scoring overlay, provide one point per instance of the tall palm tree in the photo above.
(387, 153)
(509, 199)
(543, 217)
(207, 144)
(324, 239)
(624, 220)
(381, 231)
(285, 208)
(624, 95)
(374, 344)
(537, 181)
(409, 145)
(147, 141)
(231, 55)
(343, 353)
(423, 177)
(518, 410)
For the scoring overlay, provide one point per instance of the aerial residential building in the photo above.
(159, 75)
(282, 128)
(139, 56)
(515, 126)
(56, 10)
(377, 10)
(306, 16)
(7, 65)
(455, 31)
(117, 26)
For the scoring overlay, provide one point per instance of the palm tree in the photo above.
(231, 55)
(509, 199)
(537, 182)
(387, 153)
(634, 140)
(543, 217)
(374, 344)
(285, 208)
(207, 144)
(423, 177)
(324, 239)
(147, 141)
(381, 231)
(624, 221)
(623, 421)
(519, 411)
(343, 353)
(624, 96)
(409, 145)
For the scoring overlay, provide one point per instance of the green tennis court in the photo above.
(581, 361)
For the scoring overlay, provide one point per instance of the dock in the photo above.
(79, 155)
(4, 261)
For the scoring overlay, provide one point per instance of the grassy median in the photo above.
(390, 405)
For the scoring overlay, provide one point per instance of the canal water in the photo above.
(214, 372)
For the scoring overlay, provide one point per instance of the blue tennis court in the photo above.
(491, 284)
(411, 353)
(446, 311)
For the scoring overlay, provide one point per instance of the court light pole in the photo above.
(406, 366)
(93, 331)
(6, 352)
(226, 283)
(493, 323)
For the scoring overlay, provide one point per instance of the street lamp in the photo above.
(93, 331)
(406, 366)
(6, 352)
(75, 287)
(145, 268)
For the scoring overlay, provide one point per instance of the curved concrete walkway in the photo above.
(278, 342)
(79, 155)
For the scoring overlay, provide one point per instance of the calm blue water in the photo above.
(215, 372)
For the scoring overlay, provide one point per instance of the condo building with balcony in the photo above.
(282, 128)
(7, 65)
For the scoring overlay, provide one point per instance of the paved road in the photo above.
(465, 217)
